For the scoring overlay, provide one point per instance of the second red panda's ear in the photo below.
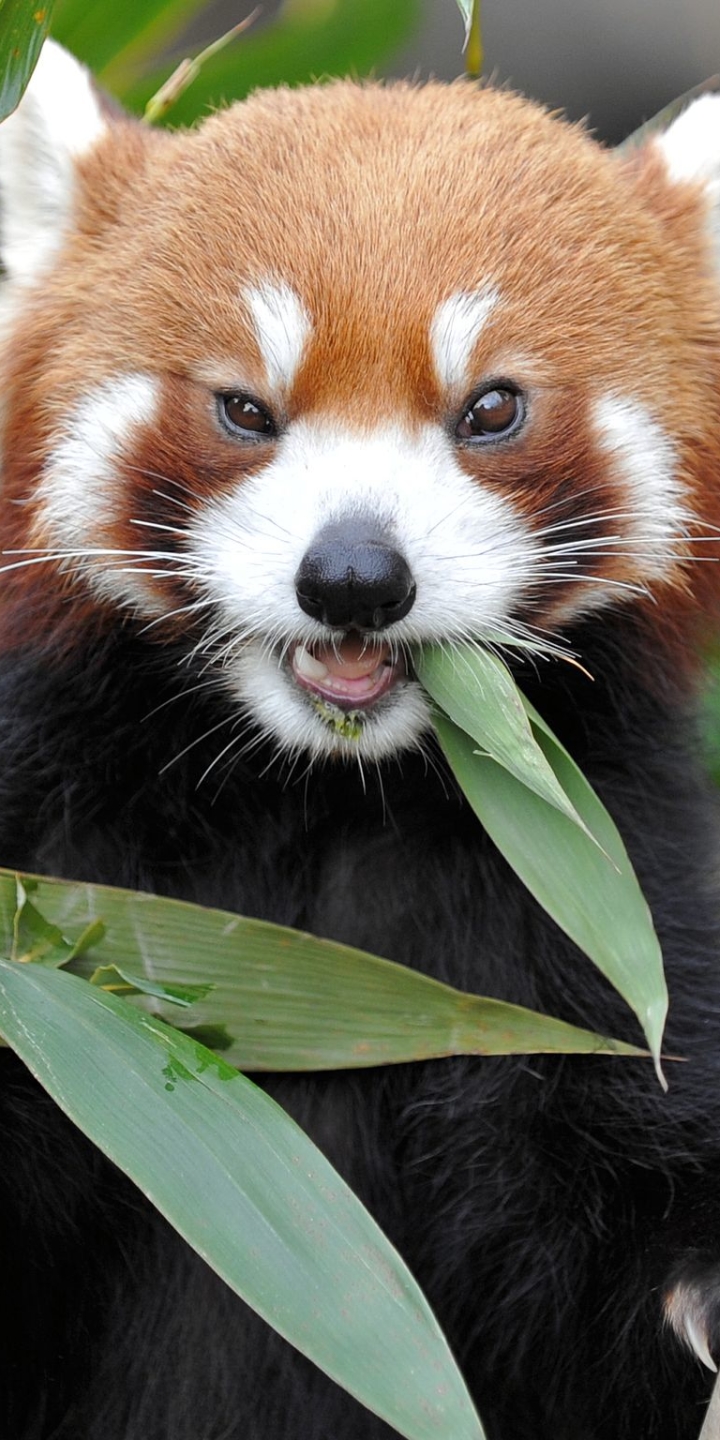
(58, 121)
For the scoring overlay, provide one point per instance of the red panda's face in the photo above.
(352, 370)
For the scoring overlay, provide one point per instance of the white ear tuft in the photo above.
(58, 119)
(691, 149)
(691, 144)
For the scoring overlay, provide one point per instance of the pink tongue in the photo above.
(352, 659)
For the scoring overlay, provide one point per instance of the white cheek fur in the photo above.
(79, 485)
(647, 526)
(645, 461)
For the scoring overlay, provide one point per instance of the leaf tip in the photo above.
(655, 1017)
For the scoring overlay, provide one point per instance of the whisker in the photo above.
(173, 500)
(172, 614)
(156, 525)
(212, 685)
(197, 740)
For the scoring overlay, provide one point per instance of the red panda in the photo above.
(345, 371)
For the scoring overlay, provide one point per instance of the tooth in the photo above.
(307, 665)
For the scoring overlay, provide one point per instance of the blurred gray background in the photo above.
(616, 62)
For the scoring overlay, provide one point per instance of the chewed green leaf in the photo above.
(247, 1189)
(37, 940)
(122, 982)
(280, 999)
(213, 1037)
(479, 694)
(600, 906)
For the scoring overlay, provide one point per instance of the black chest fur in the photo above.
(541, 1201)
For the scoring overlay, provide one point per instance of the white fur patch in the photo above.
(455, 330)
(78, 489)
(691, 149)
(471, 554)
(57, 121)
(283, 328)
(691, 144)
(686, 1313)
(656, 516)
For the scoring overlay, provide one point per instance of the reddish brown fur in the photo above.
(546, 1208)
(598, 259)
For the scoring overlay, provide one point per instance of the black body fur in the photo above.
(543, 1203)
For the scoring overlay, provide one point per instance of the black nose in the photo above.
(353, 579)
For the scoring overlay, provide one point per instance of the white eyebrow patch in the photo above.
(283, 328)
(455, 330)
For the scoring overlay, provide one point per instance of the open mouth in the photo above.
(350, 674)
(348, 699)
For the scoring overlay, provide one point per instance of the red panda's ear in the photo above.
(690, 152)
(58, 120)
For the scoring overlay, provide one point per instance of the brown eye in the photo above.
(493, 413)
(245, 416)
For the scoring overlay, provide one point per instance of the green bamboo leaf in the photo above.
(247, 1189)
(636, 931)
(479, 694)
(304, 41)
(97, 32)
(473, 43)
(466, 10)
(600, 907)
(118, 981)
(635, 913)
(470, 11)
(187, 72)
(35, 939)
(284, 1000)
(23, 27)
(579, 790)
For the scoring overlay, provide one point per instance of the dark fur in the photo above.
(543, 1203)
